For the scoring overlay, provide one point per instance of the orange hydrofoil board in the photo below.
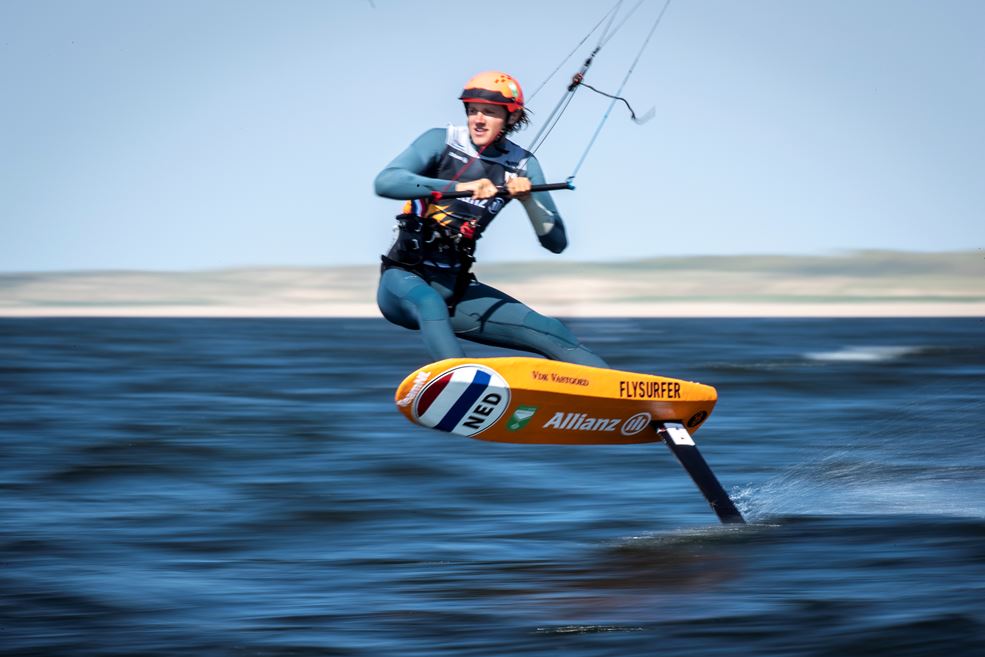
(532, 400)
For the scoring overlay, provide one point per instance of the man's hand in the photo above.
(518, 187)
(482, 188)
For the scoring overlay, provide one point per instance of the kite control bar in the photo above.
(549, 187)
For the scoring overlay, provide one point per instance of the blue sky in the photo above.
(191, 134)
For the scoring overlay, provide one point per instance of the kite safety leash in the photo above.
(578, 80)
(617, 96)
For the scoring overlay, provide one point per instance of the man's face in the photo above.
(486, 122)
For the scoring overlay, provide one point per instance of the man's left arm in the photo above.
(542, 212)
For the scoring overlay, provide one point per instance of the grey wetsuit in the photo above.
(425, 283)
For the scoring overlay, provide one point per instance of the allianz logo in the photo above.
(581, 422)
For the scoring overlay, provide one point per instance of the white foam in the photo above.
(807, 492)
(869, 354)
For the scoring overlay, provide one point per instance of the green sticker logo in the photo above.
(520, 417)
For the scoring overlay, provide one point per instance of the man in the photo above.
(426, 282)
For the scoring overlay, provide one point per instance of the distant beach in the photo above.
(862, 284)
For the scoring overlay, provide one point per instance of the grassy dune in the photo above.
(852, 284)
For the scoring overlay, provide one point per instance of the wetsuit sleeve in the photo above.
(405, 176)
(542, 212)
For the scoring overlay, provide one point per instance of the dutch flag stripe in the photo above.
(431, 393)
(465, 401)
(449, 387)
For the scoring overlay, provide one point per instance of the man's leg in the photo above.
(407, 300)
(491, 317)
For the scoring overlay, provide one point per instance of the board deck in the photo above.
(537, 401)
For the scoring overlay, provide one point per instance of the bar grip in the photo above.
(549, 187)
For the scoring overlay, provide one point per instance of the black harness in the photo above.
(438, 239)
(430, 250)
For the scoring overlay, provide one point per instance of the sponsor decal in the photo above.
(520, 417)
(554, 377)
(697, 419)
(635, 424)
(415, 388)
(478, 202)
(464, 400)
(650, 389)
(495, 205)
(582, 422)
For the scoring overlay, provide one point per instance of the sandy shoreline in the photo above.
(870, 284)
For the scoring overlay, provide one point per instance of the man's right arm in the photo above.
(403, 178)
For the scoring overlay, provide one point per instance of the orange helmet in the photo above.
(494, 87)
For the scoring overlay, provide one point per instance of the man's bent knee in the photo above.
(551, 327)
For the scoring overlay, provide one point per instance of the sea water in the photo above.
(246, 487)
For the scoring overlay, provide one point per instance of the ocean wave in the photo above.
(865, 354)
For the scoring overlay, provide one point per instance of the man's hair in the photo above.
(521, 122)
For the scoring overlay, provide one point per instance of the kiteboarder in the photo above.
(426, 281)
